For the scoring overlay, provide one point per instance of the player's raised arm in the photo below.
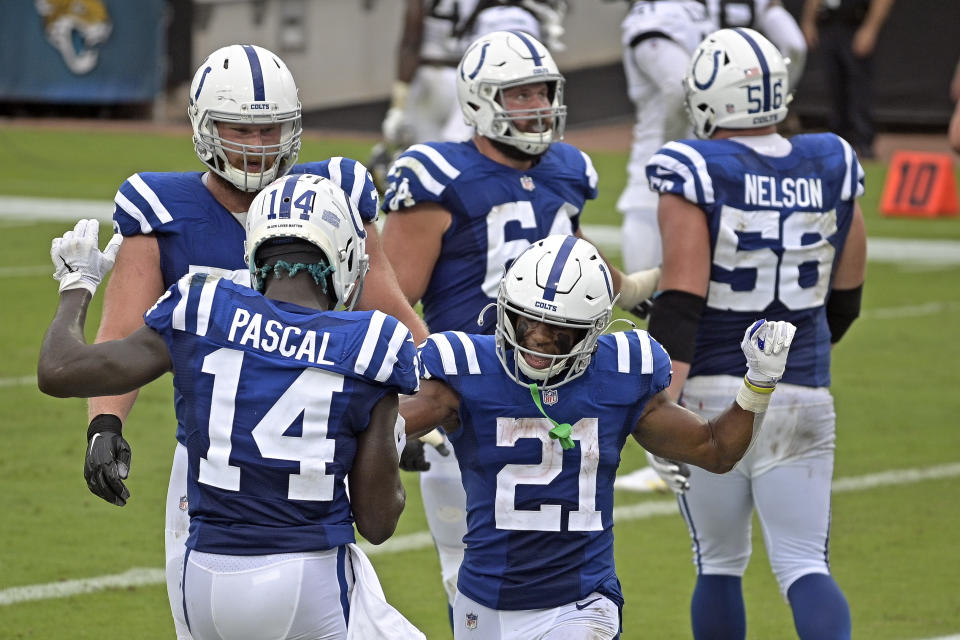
(671, 431)
(68, 367)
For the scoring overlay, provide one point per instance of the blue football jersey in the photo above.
(777, 227)
(272, 397)
(496, 212)
(540, 519)
(196, 234)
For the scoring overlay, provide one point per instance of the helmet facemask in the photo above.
(576, 294)
(245, 86)
(498, 62)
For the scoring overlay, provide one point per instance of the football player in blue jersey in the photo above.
(245, 113)
(538, 415)
(459, 212)
(756, 225)
(281, 399)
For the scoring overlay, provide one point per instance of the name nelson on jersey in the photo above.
(770, 191)
(291, 342)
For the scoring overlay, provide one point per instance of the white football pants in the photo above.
(593, 618)
(177, 529)
(786, 476)
(445, 505)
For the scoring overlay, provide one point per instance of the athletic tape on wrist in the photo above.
(753, 398)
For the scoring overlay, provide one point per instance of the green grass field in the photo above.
(895, 380)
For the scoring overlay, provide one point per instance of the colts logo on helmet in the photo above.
(67, 22)
(713, 74)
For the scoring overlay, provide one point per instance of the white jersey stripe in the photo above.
(179, 317)
(400, 333)
(438, 160)
(699, 164)
(646, 352)
(428, 181)
(148, 194)
(369, 343)
(590, 172)
(473, 364)
(133, 211)
(447, 356)
(206, 304)
(359, 178)
(623, 352)
(336, 172)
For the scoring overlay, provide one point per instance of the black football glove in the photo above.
(412, 457)
(107, 461)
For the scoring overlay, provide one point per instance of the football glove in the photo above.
(107, 461)
(676, 475)
(77, 260)
(412, 457)
(636, 288)
(766, 345)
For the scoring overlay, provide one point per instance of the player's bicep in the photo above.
(668, 430)
(135, 284)
(686, 245)
(412, 240)
(852, 264)
(435, 404)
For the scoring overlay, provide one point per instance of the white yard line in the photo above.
(423, 540)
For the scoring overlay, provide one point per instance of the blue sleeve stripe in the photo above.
(470, 351)
(125, 206)
(438, 160)
(400, 334)
(150, 196)
(369, 345)
(422, 174)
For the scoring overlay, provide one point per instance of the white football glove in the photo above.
(766, 345)
(676, 475)
(637, 287)
(396, 128)
(77, 260)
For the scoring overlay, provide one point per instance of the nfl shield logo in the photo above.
(526, 182)
(183, 503)
(550, 396)
(471, 621)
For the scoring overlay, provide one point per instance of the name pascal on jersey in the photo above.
(289, 341)
(768, 191)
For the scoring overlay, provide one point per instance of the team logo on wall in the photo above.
(471, 621)
(76, 28)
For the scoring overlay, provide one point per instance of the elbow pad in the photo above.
(674, 320)
(843, 307)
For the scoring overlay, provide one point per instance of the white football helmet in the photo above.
(314, 209)
(501, 60)
(562, 281)
(248, 85)
(737, 79)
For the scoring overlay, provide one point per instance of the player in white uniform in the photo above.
(459, 212)
(282, 399)
(436, 33)
(756, 225)
(246, 122)
(538, 415)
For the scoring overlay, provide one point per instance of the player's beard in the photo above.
(515, 154)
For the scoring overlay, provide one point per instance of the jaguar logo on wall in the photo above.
(76, 28)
